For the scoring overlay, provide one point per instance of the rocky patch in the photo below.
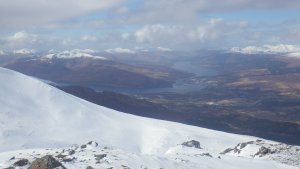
(21, 163)
(263, 151)
(204, 154)
(83, 146)
(95, 156)
(93, 143)
(10, 168)
(238, 148)
(280, 152)
(46, 162)
(192, 143)
(89, 167)
(71, 152)
(99, 157)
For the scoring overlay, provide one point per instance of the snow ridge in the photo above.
(76, 53)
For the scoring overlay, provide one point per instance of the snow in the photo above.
(35, 115)
(267, 49)
(24, 51)
(118, 159)
(294, 55)
(76, 53)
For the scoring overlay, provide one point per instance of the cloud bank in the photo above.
(147, 24)
(20, 13)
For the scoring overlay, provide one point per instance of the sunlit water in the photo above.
(180, 86)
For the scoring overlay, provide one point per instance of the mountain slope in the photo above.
(101, 73)
(36, 115)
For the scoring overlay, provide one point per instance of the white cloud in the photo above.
(2, 52)
(22, 37)
(210, 33)
(150, 33)
(41, 42)
(24, 51)
(32, 13)
(268, 49)
(67, 42)
(164, 49)
(178, 24)
(125, 35)
(120, 50)
(216, 28)
(207, 31)
(89, 38)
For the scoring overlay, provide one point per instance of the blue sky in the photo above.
(174, 24)
(259, 16)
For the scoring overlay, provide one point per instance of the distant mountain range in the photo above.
(87, 70)
(253, 94)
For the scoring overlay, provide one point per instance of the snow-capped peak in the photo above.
(267, 49)
(75, 53)
(24, 51)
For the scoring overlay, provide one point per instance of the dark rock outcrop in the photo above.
(83, 146)
(238, 148)
(263, 151)
(192, 143)
(243, 145)
(93, 143)
(205, 154)
(66, 160)
(89, 167)
(21, 163)
(10, 168)
(60, 156)
(227, 151)
(99, 157)
(46, 162)
(71, 152)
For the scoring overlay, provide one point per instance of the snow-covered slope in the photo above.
(36, 115)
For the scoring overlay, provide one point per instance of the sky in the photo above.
(42, 25)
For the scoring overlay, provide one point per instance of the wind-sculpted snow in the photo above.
(34, 115)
